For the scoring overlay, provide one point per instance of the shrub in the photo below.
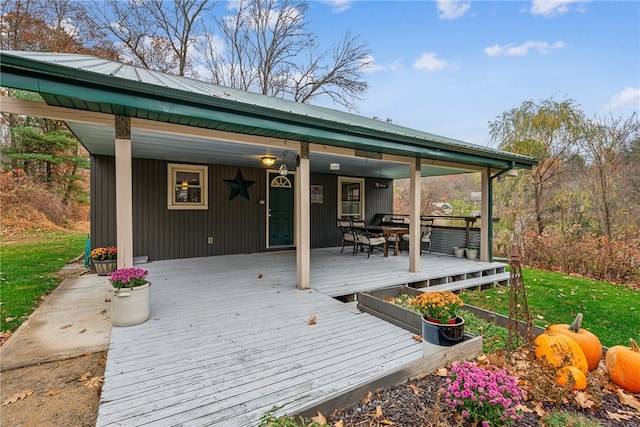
(486, 396)
(597, 257)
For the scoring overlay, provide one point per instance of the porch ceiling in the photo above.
(99, 140)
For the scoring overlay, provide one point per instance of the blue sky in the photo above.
(451, 67)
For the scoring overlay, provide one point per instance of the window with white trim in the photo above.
(350, 198)
(187, 187)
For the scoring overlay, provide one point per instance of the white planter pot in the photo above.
(130, 306)
(471, 253)
(458, 252)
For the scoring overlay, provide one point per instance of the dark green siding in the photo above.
(237, 226)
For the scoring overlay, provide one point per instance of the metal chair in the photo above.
(348, 236)
(396, 222)
(425, 235)
(365, 238)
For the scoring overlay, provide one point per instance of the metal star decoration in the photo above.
(238, 186)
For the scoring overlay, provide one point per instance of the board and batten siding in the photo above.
(237, 226)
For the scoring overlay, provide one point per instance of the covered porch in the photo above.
(229, 337)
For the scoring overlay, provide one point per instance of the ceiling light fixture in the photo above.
(334, 166)
(268, 161)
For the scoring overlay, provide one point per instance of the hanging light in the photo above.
(185, 184)
(268, 161)
(284, 170)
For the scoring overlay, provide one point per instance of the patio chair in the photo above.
(396, 222)
(365, 238)
(425, 236)
(348, 236)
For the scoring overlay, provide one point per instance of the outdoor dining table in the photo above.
(386, 231)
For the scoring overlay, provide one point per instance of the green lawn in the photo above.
(611, 312)
(27, 272)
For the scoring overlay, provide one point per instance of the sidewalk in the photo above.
(73, 320)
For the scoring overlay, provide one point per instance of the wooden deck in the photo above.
(229, 337)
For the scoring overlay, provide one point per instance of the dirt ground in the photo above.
(60, 393)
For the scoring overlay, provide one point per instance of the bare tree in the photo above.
(605, 143)
(264, 46)
(155, 34)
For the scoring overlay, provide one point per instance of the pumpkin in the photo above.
(588, 342)
(557, 348)
(623, 364)
(579, 378)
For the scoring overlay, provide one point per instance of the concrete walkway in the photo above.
(73, 320)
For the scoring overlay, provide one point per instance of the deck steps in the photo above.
(480, 282)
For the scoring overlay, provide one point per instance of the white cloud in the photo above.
(523, 49)
(452, 9)
(551, 8)
(339, 5)
(370, 66)
(629, 97)
(429, 62)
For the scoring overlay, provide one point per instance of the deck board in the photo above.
(229, 338)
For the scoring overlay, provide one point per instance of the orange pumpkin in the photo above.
(560, 350)
(623, 364)
(579, 379)
(588, 342)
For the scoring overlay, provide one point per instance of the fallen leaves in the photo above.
(4, 336)
(17, 396)
(584, 400)
(417, 338)
(320, 419)
(620, 415)
(627, 399)
(414, 388)
(95, 382)
(52, 393)
(312, 320)
(442, 372)
(66, 326)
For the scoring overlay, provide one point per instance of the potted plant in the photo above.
(458, 252)
(130, 303)
(104, 260)
(441, 324)
(471, 252)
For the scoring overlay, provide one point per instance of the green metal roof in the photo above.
(89, 83)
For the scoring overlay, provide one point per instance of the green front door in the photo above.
(281, 210)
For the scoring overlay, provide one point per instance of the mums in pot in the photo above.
(128, 278)
(442, 306)
(130, 303)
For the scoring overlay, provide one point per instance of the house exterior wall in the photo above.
(237, 226)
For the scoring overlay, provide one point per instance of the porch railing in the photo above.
(448, 231)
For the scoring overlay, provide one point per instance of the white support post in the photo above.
(414, 216)
(485, 214)
(303, 224)
(124, 193)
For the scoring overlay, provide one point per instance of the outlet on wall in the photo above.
(210, 240)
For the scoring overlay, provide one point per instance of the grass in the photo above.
(28, 272)
(612, 312)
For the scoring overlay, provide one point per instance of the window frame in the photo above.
(361, 182)
(203, 171)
